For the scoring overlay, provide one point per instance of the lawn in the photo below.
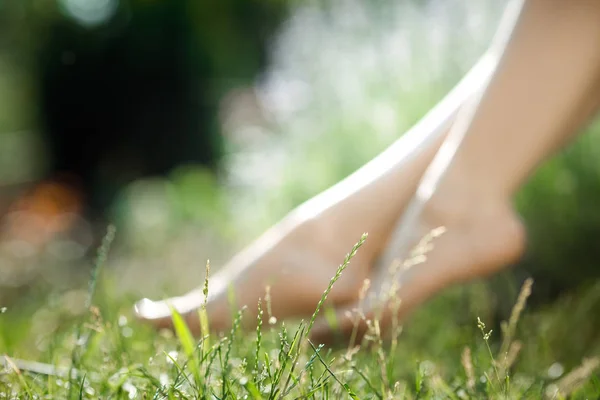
(442, 353)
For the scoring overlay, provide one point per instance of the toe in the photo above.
(159, 314)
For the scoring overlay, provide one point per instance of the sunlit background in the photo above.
(194, 125)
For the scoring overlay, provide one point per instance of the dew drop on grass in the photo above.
(171, 357)
(266, 389)
(555, 370)
(130, 389)
(164, 379)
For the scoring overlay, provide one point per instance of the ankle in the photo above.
(489, 225)
(462, 192)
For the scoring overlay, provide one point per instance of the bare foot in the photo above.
(298, 257)
(295, 260)
(479, 238)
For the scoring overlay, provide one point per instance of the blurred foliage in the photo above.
(560, 209)
(232, 30)
(122, 89)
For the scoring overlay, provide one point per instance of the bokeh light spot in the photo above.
(90, 13)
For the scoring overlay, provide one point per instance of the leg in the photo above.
(310, 243)
(545, 87)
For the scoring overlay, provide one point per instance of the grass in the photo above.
(103, 355)
(548, 350)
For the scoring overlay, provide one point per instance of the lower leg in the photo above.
(545, 88)
(308, 245)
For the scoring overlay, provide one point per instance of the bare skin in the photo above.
(298, 257)
(546, 86)
(542, 91)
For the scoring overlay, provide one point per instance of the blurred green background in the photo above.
(194, 125)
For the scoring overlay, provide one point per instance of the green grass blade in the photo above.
(203, 315)
(188, 344)
(337, 276)
(346, 387)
